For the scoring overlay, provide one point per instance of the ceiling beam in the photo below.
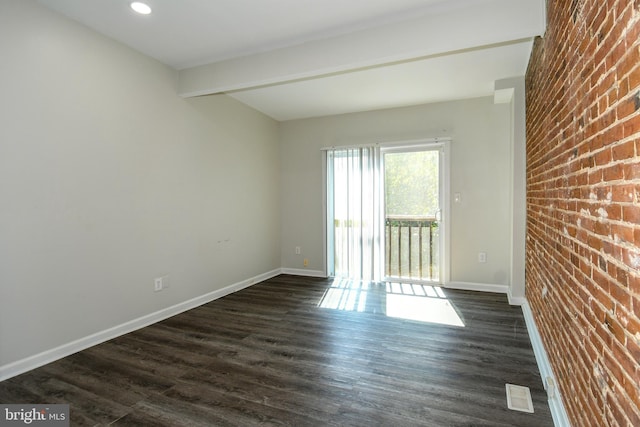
(466, 24)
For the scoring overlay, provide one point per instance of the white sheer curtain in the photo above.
(354, 213)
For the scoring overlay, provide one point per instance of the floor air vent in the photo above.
(519, 398)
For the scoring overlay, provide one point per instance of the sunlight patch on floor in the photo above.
(423, 303)
(422, 309)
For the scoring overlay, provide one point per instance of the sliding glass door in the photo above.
(384, 213)
(354, 213)
(413, 200)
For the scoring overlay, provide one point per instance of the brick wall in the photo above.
(583, 205)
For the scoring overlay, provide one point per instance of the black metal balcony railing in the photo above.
(411, 248)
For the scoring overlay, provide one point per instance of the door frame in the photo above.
(445, 188)
(443, 147)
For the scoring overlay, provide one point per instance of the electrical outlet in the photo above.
(482, 257)
(305, 262)
(157, 284)
(298, 250)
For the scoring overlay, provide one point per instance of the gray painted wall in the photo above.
(108, 179)
(480, 171)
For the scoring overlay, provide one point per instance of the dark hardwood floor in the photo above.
(272, 355)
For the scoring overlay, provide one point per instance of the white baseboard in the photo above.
(16, 368)
(515, 300)
(481, 287)
(35, 361)
(558, 413)
(303, 272)
(487, 287)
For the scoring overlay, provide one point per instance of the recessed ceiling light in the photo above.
(141, 8)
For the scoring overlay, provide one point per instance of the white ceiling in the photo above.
(245, 38)
(464, 75)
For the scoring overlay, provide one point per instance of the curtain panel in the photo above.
(354, 212)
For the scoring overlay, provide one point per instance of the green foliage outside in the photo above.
(411, 183)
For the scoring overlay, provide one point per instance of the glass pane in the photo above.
(411, 208)
(411, 183)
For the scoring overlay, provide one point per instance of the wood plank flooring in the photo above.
(270, 355)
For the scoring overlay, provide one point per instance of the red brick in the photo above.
(603, 229)
(615, 329)
(634, 77)
(603, 335)
(623, 88)
(631, 411)
(624, 232)
(631, 171)
(630, 385)
(582, 178)
(615, 415)
(634, 352)
(613, 173)
(631, 126)
(612, 369)
(621, 295)
(629, 62)
(595, 177)
(624, 151)
(614, 212)
(583, 139)
(603, 157)
(623, 193)
(624, 357)
(631, 213)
